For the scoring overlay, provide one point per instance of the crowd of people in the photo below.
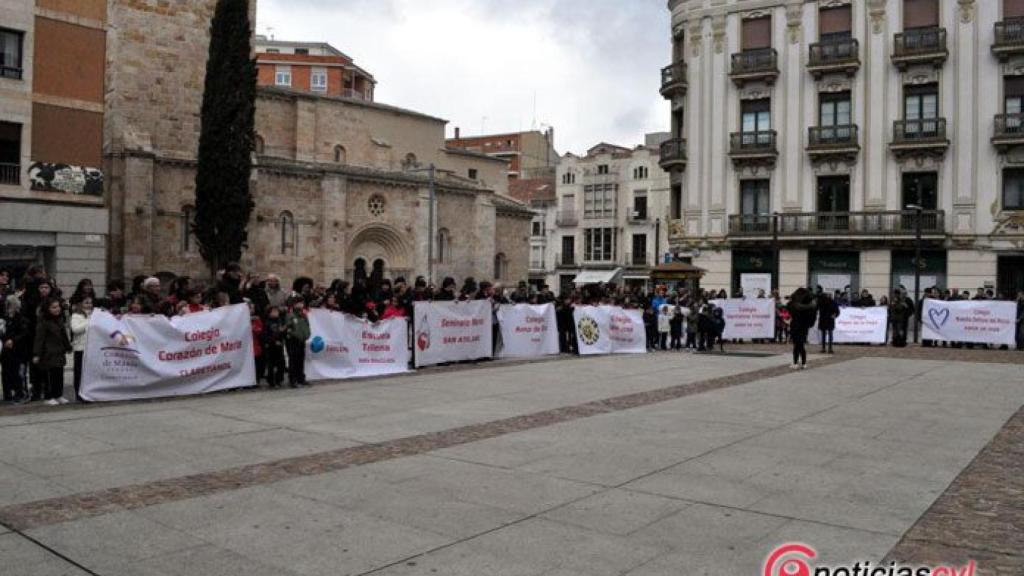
(40, 327)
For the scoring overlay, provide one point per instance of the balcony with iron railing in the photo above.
(826, 225)
(11, 72)
(754, 148)
(1009, 38)
(565, 261)
(10, 174)
(673, 79)
(828, 142)
(567, 218)
(919, 136)
(1009, 131)
(673, 154)
(750, 65)
(836, 55)
(920, 46)
(639, 260)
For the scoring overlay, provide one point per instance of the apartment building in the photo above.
(824, 141)
(314, 67)
(611, 219)
(529, 154)
(53, 210)
(540, 195)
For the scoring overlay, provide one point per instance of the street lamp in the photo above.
(917, 270)
(431, 170)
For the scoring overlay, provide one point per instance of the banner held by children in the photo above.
(748, 319)
(528, 331)
(972, 321)
(136, 357)
(344, 346)
(609, 330)
(452, 332)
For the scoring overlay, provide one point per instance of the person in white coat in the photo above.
(79, 329)
(664, 325)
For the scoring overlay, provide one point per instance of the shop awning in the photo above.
(597, 276)
(677, 271)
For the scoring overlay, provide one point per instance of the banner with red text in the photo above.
(343, 346)
(136, 357)
(609, 330)
(528, 331)
(856, 326)
(452, 331)
(975, 321)
(748, 319)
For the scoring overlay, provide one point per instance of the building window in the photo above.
(318, 80)
(921, 102)
(1013, 9)
(835, 23)
(273, 51)
(640, 173)
(599, 244)
(10, 53)
(473, 174)
(500, 267)
(569, 250)
(599, 200)
(1013, 189)
(1013, 99)
(340, 155)
(639, 205)
(569, 178)
(676, 201)
(537, 258)
(834, 109)
(283, 76)
(639, 250)
(258, 144)
(756, 116)
(10, 153)
(538, 227)
(755, 197)
(410, 162)
(757, 33)
(286, 222)
(444, 245)
(376, 205)
(833, 194)
(921, 189)
(302, 51)
(920, 13)
(188, 218)
(602, 169)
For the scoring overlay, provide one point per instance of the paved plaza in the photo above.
(661, 464)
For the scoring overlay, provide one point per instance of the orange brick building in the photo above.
(314, 67)
(529, 154)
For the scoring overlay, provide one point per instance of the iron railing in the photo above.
(1009, 126)
(841, 136)
(1010, 33)
(914, 131)
(567, 218)
(673, 74)
(12, 72)
(795, 225)
(639, 260)
(920, 42)
(755, 61)
(834, 52)
(753, 142)
(565, 260)
(10, 174)
(673, 150)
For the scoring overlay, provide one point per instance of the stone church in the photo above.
(338, 183)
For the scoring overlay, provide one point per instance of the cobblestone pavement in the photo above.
(661, 464)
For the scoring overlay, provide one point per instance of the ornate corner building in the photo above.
(822, 140)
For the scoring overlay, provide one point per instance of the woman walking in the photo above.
(802, 311)
(82, 313)
(49, 351)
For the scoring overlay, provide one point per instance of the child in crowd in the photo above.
(664, 326)
(676, 328)
(692, 321)
(256, 324)
(273, 346)
(297, 334)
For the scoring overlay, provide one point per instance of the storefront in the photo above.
(1011, 275)
(932, 267)
(834, 270)
(755, 263)
(674, 275)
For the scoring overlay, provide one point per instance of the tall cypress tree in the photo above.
(223, 200)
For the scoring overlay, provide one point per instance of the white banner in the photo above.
(857, 326)
(343, 346)
(452, 331)
(975, 321)
(528, 331)
(609, 330)
(752, 284)
(748, 319)
(136, 357)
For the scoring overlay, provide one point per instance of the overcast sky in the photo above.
(591, 66)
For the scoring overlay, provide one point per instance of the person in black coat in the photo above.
(50, 349)
(828, 311)
(803, 312)
(15, 349)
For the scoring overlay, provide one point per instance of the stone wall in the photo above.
(512, 238)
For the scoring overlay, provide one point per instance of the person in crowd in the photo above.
(783, 319)
(15, 348)
(194, 301)
(394, 309)
(803, 312)
(650, 318)
(273, 344)
(231, 283)
(150, 296)
(705, 329)
(115, 300)
(1020, 321)
(664, 326)
(900, 313)
(49, 351)
(567, 326)
(676, 328)
(692, 320)
(718, 328)
(302, 287)
(276, 297)
(866, 299)
(136, 306)
(80, 317)
(447, 292)
(256, 325)
(297, 333)
(828, 311)
(82, 291)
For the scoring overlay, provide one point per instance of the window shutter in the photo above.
(757, 33)
(920, 13)
(1014, 85)
(833, 20)
(1013, 8)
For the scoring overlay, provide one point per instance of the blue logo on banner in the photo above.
(317, 344)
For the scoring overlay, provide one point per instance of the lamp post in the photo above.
(918, 210)
(431, 171)
(775, 251)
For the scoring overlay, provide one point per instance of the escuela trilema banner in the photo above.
(343, 346)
